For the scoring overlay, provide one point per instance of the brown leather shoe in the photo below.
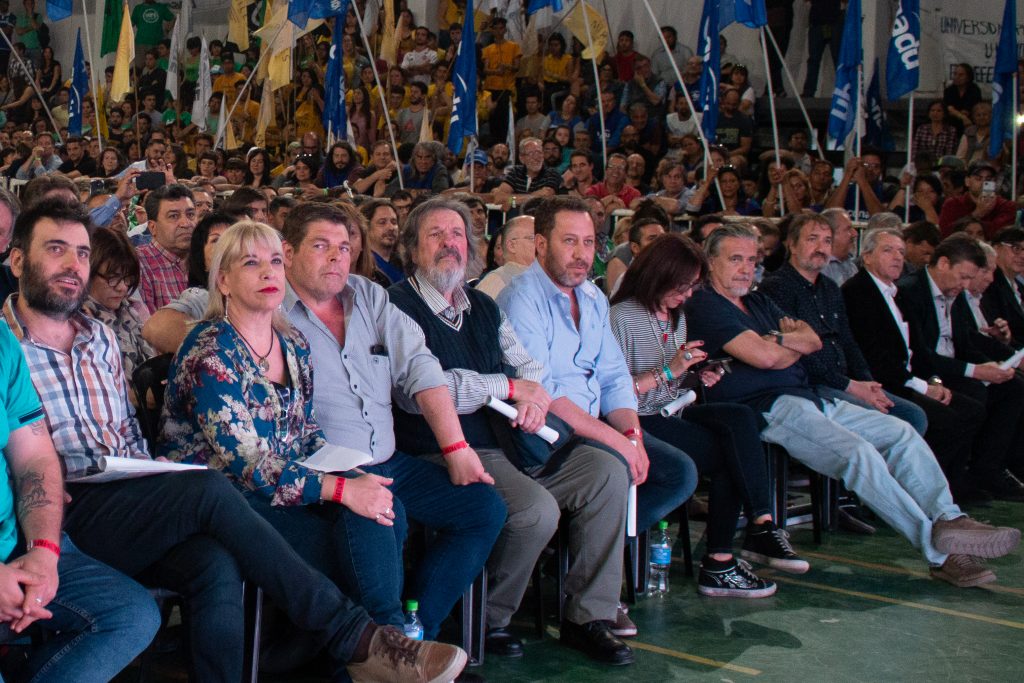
(966, 536)
(393, 658)
(963, 571)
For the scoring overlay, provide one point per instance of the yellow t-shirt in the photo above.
(557, 68)
(495, 55)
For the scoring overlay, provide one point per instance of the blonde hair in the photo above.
(240, 239)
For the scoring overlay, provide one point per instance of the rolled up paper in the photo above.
(545, 432)
(675, 406)
(631, 511)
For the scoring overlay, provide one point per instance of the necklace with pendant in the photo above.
(262, 361)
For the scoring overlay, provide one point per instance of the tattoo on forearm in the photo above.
(39, 428)
(32, 492)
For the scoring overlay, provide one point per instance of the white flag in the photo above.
(204, 88)
(221, 124)
(171, 85)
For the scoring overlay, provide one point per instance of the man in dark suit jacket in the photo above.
(1002, 299)
(883, 336)
(941, 342)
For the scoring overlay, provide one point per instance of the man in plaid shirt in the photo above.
(172, 218)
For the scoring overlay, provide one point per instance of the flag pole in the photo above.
(910, 159)
(796, 92)
(1013, 149)
(32, 83)
(775, 123)
(92, 73)
(264, 51)
(686, 93)
(380, 92)
(597, 84)
(856, 132)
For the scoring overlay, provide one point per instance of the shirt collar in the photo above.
(936, 292)
(888, 290)
(81, 323)
(587, 288)
(164, 252)
(435, 300)
(291, 299)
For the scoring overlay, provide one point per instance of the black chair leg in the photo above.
(252, 599)
(684, 541)
(538, 595)
(474, 606)
(563, 568)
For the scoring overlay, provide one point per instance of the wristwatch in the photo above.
(935, 381)
(777, 335)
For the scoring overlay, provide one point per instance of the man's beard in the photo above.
(445, 280)
(41, 297)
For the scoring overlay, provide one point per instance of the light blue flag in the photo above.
(751, 13)
(876, 130)
(843, 116)
(335, 116)
(709, 51)
(903, 65)
(301, 11)
(463, 121)
(79, 87)
(1002, 81)
(58, 9)
(534, 6)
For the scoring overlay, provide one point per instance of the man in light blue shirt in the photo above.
(562, 320)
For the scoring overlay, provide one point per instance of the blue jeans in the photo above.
(671, 480)
(101, 621)
(906, 410)
(365, 558)
(195, 533)
(878, 457)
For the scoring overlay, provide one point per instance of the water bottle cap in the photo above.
(662, 525)
(411, 605)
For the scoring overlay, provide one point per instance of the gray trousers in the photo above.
(590, 486)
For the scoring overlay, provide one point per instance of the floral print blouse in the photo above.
(221, 411)
(126, 322)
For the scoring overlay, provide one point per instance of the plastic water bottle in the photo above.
(661, 560)
(413, 626)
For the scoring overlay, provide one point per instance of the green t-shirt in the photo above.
(31, 39)
(20, 406)
(170, 116)
(149, 22)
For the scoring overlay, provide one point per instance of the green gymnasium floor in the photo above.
(866, 611)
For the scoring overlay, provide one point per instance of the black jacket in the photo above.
(999, 301)
(876, 331)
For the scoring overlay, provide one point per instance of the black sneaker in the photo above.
(768, 544)
(734, 580)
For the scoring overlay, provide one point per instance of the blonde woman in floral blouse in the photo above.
(114, 276)
(240, 400)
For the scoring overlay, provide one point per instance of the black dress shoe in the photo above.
(596, 640)
(470, 678)
(501, 642)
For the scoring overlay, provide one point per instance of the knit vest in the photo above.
(475, 346)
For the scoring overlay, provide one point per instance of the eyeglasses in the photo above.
(115, 281)
(683, 289)
(1015, 248)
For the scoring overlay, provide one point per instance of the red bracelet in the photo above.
(511, 390)
(634, 432)
(45, 544)
(339, 489)
(457, 446)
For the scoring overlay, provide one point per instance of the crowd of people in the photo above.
(377, 292)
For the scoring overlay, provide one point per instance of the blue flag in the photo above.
(1002, 81)
(751, 13)
(709, 51)
(79, 87)
(903, 65)
(843, 115)
(463, 121)
(58, 9)
(301, 11)
(534, 6)
(335, 116)
(876, 132)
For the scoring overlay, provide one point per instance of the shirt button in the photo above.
(355, 386)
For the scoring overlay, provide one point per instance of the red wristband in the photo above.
(339, 489)
(511, 389)
(45, 544)
(634, 432)
(452, 448)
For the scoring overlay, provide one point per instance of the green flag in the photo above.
(111, 26)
